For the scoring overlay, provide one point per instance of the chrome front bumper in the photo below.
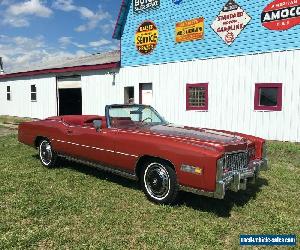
(238, 180)
(234, 181)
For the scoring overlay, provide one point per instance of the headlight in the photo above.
(220, 168)
(252, 153)
(221, 163)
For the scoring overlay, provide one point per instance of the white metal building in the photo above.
(67, 87)
(231, 93)
(231, 98)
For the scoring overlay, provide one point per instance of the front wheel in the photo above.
(47, 156)
(159, 182)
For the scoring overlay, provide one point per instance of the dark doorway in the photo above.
(128, 95)
(70, 101)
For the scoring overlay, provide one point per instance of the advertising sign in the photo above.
(145, 5)
(230, 22)
(146, 37)
(190, 30)
(281, 15)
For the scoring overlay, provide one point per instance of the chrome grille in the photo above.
(236, 161)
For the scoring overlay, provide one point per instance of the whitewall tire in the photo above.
(46, 154)
(159, 182)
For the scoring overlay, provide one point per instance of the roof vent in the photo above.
(1, 66)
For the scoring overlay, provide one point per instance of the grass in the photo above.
(78, 207)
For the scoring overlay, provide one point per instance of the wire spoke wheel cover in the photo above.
(45, 153)
(157, 181)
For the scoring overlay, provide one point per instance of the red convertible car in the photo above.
(134, 141)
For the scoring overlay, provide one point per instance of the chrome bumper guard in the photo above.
(238, 180)
(235, 181)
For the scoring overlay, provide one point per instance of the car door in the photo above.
(91, 145)
(127, 150)
(60, 137)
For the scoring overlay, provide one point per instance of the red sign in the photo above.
(281, 15)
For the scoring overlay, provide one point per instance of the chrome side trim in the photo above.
(96, 148)
(101, 167)
(196, 191)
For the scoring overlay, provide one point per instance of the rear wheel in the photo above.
(47, 156)
(159, 182)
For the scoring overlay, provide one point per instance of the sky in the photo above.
(40, 31)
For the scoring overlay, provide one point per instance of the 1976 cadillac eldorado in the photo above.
(134, 141)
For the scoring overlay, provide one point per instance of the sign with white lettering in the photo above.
(145, 5)
(281, 15)
(230, 22)
(146, 37)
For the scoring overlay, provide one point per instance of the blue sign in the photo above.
(268, 240)
(177, 1)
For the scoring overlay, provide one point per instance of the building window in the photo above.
(8, 93)
(128, 95)
(197, 96)
(268, 96)
(33, 93)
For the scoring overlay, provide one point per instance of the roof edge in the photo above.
(111, 65)
(119, 26)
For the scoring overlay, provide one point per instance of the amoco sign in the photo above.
(281, 15)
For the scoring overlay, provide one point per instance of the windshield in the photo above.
(134, 115)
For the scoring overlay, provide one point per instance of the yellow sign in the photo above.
(146, 37)
(190, 30)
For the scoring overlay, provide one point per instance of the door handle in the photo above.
(69, 131)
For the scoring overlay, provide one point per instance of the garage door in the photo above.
(69, 95)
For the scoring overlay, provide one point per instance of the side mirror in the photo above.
(97, 124)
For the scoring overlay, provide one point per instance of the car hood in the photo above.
(226, 141)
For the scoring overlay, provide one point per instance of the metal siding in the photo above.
(253, 39)
(97, 91)
(231, 92)
(21, 105)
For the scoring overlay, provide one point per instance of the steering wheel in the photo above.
(148, 118)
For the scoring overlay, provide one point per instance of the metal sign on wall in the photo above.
(145, 5)
(230, 22)
(190, 30)
(281, 15)
(146, 37)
